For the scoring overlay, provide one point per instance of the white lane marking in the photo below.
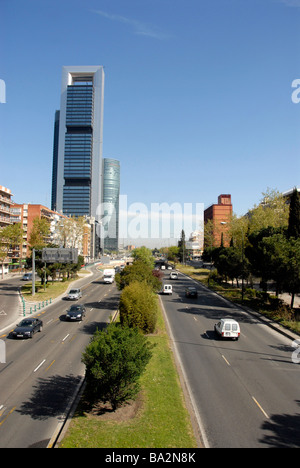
(40, 365)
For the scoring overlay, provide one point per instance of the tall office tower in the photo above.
(111, 195)
(77, 161)
(55, 159)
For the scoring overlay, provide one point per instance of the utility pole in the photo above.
(33, 272)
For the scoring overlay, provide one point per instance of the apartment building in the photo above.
(5, 220)
(5, 205)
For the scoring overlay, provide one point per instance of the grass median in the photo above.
(157, 419)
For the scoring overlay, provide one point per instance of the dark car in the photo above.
(191, 292)
(75, 312)
(27, 328)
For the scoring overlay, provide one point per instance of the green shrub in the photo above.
(115, 359)
(138, 271)
(139, 307)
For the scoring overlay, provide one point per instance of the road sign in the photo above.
(60, 255)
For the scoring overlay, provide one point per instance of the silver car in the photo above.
(74, 294)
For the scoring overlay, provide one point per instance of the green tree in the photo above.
(182, 247)
(294, 215)
(230, 263)
(173, 254)
(138, 271)
(138, 307)
(145, 255)
(259, 256)
(271, 212)
(39, 233)
(291, 280)
(115, 359)
(11, 235)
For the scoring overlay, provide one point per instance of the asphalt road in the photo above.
(246, 393)
(9, 300)
(41, 374)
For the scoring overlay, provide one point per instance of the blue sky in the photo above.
(197, 94)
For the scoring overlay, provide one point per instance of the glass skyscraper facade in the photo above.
(77, 175)
(111, 196)
(78, 150)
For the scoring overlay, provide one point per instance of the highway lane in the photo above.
(41, 375)
(9, 300)
(246, 393)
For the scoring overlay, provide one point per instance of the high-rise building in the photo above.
(55, 160)
(111, 196)
(77, 152)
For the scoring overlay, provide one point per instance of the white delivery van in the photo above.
(109, 276)
(167, 289)
(228, 328)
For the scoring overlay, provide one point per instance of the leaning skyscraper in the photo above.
(77, 153)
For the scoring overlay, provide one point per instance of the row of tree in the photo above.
(265, 244)
(69, 233)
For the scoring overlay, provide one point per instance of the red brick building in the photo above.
(219, 213)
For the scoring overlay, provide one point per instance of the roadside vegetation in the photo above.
(258, 252)
(132, 397)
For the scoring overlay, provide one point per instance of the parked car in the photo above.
(167, 289)
(27, 277)
(228, 328)
(191, 291)
(74, 294)
(76, 313)
(27, 328)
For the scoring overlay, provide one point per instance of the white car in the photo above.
(228, 328)
(174, 275)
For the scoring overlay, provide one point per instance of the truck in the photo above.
(109, 276)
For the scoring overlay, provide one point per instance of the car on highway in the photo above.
(74, 294)
(191, 291)
(174, 275)
(27, 277)
(75, 313)
(27, 328)
(228, 328)
(167, 289)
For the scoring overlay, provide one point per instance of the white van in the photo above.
(167, 289)
(228, 328)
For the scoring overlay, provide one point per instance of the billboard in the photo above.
(60, 255)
